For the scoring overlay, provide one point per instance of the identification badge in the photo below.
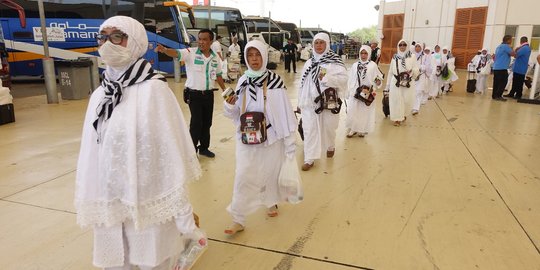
(213, 74)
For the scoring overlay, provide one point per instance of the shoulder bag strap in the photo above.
(244, 102)
(264, 98)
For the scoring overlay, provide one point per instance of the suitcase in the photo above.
(386, 106)
(7, 114)
(300, 128)
(271, 66)
(471, 82)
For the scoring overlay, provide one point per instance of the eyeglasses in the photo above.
(114, 38)
(402, 45)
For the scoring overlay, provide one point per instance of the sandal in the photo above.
(397, 123)
(234, 228)
(272, 211)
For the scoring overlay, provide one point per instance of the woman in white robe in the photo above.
(258, 165)
(482, 63)
(324, 70)
(437, 65)
(401, 98)
(422, 83)
(448, 60)
(360, 117)
(135, 159)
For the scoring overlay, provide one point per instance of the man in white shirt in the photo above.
(234, 48)
(203, 67)
(216, 47)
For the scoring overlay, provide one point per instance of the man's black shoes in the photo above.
(207, 153)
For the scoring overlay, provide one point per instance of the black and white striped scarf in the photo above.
(328, 58)
(250, 84)
(361, 72)
(140, 71)
(483, 61)
(402, 59)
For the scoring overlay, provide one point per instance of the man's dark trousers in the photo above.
(288, 60)
(201, 106)
(517, 85)
(500, 78)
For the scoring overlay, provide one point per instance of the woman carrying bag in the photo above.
(324, 82)
(400, 83)
(364, 78)
(266, 135)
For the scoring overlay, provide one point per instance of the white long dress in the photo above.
(258, 165)
(482, 63)
(423, 83)
(360, 117)
(131, 187)
(401, 98)
(320, 129)
(435, 78)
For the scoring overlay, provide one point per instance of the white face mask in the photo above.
(115, 56)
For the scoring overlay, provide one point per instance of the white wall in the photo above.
(523, 12)
(394, 7)
(440, 17)
(472, 3)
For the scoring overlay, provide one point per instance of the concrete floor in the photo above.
(456, 187)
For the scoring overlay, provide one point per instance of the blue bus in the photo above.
(72, 26)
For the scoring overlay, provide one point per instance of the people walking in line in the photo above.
(448, 72)
(135, 160)
(265, 137)
(436, 81)
(422, 83)
(482, 64)
(364, 78)
(324, 82)
(400, 83)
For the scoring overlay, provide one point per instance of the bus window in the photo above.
(226, 22)
(79, 20)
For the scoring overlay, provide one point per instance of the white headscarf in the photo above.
(421, 51)
(442, 51)
(263, 49)
(368, 50)
(326, 38)
(137, 41)
(428, 48)
(400, 53)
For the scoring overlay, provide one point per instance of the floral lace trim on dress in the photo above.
(158, 211)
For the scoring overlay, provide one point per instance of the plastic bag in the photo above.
(486, 70)
(192, 252)
(290, 182)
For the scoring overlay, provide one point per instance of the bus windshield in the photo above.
(225, 22)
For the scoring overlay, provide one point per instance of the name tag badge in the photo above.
(198, 60)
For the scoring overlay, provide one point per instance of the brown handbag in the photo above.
(403, 78)
(366, 98)
(253, 124)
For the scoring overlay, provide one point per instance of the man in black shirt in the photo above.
(375, 52)
(290, 55)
